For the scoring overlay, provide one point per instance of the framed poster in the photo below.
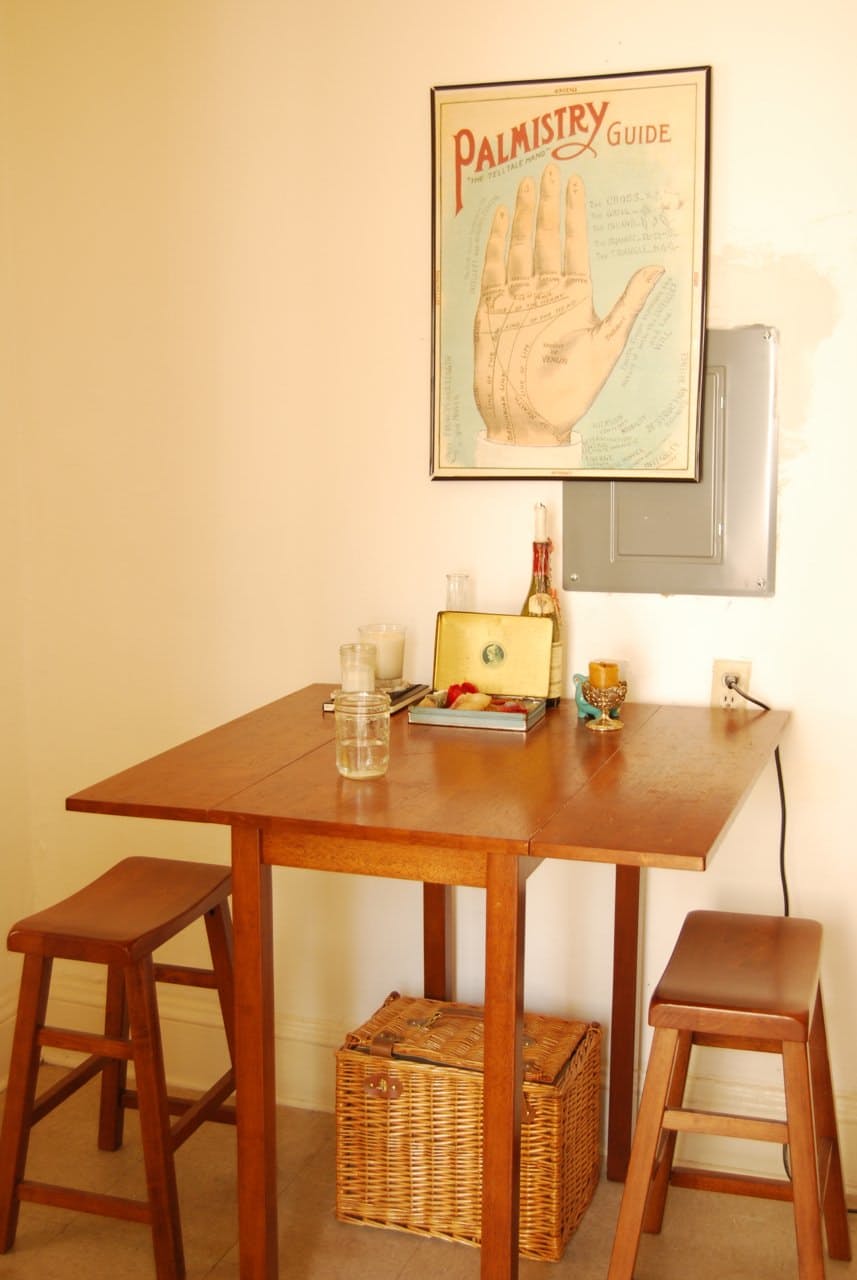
(569, 256)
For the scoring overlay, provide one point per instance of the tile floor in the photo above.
(706, 1236)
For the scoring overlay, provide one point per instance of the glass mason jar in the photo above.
(362, 734)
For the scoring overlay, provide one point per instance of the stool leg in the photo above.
(111, 1119)
(21, 1092)
(833, 1190)
(804, 1169)
(626, 1241)
(218, 926)
(653, 1217)
(154, 1120)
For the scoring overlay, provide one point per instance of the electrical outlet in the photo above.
(721, 694)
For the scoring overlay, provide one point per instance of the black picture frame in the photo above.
(569, 255)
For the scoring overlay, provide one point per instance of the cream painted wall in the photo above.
(16, 878)
(15, 869)
(218, 349)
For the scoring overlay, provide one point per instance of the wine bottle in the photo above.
(542, 601)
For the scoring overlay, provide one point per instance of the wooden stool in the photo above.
(740, 982)
(118, 921)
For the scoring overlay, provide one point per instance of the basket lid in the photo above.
(417, 1029)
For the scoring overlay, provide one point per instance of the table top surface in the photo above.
(660, 792)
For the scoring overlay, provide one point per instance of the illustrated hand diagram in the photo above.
(541, 354)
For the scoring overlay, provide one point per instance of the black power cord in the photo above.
(731, 682)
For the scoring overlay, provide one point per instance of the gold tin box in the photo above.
(502, 654)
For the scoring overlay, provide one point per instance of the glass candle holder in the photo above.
(389, 641)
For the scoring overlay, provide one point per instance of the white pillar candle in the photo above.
(541, 532)
(389, 641)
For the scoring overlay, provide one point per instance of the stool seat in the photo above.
(746, 982)
(741, 974)
(128, 912)
(118, 921)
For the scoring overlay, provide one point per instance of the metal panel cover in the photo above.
(713, 537)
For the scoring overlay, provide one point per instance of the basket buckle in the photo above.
(382, 1086)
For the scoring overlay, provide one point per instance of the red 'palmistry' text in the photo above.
(573, 127)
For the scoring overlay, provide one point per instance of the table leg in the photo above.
(503, 1084)
(623, 1021)
(437, 941)
(254, 1058)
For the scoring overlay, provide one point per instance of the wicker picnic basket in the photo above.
(409, 1124)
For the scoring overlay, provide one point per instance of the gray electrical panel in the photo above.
(716, 536)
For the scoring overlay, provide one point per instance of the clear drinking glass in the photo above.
(459, 592)
(362, 734)
(357, 668)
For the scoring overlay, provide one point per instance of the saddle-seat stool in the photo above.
(118, 921)
(740, 981)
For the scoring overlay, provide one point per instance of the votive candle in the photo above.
(603, 674)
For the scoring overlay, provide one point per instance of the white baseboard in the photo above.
(8, 1005)
(737, 1097)
(305, 1048)
(194, 1044)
